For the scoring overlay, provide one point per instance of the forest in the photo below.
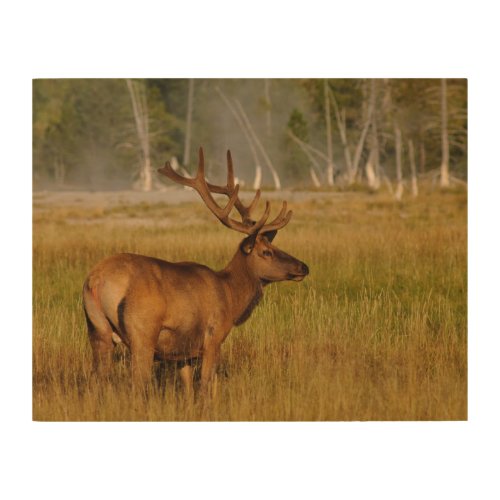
(346, 134)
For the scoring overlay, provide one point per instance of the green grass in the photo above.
(377, 331)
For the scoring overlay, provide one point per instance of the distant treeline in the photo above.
(114, 133)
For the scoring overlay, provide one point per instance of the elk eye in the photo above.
(267, 253)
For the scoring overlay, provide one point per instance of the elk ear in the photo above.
(247, 244)
(269, 235)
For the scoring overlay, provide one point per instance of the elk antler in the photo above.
(204, 189)
(244, 211)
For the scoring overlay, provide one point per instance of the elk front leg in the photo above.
(211, 355)
(186, 373)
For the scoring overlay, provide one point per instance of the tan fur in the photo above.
(176, 311)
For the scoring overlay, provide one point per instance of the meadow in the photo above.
(377, 331)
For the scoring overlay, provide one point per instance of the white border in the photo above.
(292, 39)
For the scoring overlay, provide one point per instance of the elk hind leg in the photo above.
(186, 373)
(100, 336)
(143, 336)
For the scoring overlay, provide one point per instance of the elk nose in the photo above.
(305, 269)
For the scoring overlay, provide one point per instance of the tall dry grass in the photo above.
(376, 332)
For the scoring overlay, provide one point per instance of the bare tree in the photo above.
(413, 167)
(372, 167)
(189, 120)
(399, 160)
(59, 170)
(274, 173)
(445, 174)
(267, 96)
(421, 157)
(258, 169)
(137, 93)
(314, 163)
(257, 182)
(341, 125)
(329, 145)
(352, 165)
(360, 146)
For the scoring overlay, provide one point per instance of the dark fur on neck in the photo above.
(250, 307)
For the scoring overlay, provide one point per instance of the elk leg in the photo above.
(102, 351)
(143, 335)
(186, 373)
(211, 355)
(142, 363)
(100, 336)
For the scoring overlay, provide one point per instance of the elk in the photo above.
(184, 311)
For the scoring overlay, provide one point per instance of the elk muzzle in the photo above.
(300, 274)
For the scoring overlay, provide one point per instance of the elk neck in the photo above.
(243, 287)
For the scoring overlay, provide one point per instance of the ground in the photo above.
(377, 331)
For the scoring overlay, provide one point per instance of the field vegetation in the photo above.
(377, 331)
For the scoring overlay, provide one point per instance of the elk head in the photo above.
(258, 256)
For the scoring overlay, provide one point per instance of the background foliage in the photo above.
(84, 133)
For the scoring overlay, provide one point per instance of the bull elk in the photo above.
(184, 311)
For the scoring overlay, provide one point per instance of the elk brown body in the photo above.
(184, 311)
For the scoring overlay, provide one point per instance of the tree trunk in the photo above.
(189, 119)
(329, 146)
(372, 177)
(372, 165)
(340, 118)
(362, 138)
(140, 109)
(421, 157)
(246, 133)
(314, 178)
(445, 175)
(59, 171)
(147, 173)
(399, 165)
(258, 177)
(413, 166)
(305, 148)
(267, 96)
(274, 173)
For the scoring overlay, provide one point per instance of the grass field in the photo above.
(377, 331)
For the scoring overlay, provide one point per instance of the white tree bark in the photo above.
(329, 145)
(314, 178)
(352, 164)
(305, 148)
(140, 109)
(189, 119)
(359, 151)
(257, 182)
(246, 133)
(267, 95)
(413, 167)
(371, 172)
(399, 162)
(445, 173)
(340, 118)
(274, 173)
(372, 165)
